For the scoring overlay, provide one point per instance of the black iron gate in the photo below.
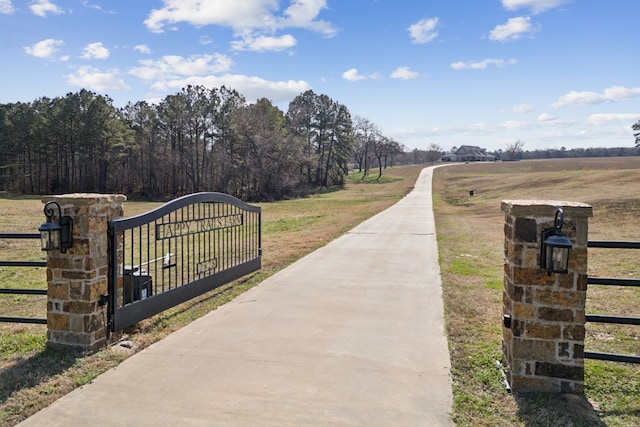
(620, 320)
(178, 251)
(19, 291)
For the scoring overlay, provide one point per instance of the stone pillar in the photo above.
(544, 324)
(77, 279)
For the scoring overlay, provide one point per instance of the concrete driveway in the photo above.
(350, 335)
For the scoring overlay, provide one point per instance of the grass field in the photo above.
(470, 239)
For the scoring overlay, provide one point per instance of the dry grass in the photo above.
(470, 233)
(32, 376)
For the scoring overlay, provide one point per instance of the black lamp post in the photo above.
(56, 236)
(555, 247)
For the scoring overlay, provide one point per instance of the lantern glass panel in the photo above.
(50, 236)
(558, 259)
(50, 240)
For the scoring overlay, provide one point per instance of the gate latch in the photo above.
(103, 300)
(506, 321)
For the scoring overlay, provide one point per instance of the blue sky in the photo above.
(550, 73)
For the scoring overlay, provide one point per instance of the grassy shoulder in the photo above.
(32, 376)
(471, 239)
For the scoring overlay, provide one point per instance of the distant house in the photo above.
(469, 153)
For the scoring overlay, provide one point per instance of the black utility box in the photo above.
(137, 287)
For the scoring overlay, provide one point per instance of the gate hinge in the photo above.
(104, 299)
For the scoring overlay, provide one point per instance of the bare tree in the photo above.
(434, 152)
(367, 134)
(514, 151)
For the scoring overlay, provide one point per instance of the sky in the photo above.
(547, 73)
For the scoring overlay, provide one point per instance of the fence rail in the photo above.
(613, 244)
(19, 236)
(612, 357)
(23, 263)
(608, 281)
(618, 320)
(13, 291)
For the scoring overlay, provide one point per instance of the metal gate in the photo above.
(620, 320)
(19, 291)
(178, 251)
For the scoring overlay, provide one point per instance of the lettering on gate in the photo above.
(170, 230)
(206, 267)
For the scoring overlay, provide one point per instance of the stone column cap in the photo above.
(86, 198)
(546, 208)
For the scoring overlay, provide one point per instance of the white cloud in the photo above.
(43, 7)
(173, 66)
(94, 79)
(543, 120)
(479, 128)
(142, 48)
(547, 120)
(545, 131)
(512, 30)
(252, 88)
(424, 31)
(253, 14)
(404, 73)
(605, 119)
(522, 108)
(205, 40)
(514, 124)
(303, 13)
(610, 94)
(353, 75)
(548, 129)
(536, 6)
(95, 51)
(264, 43)
(44, 48)
(176, 72)
(93, 6)
(474, 129)
(6, 7)
(245, 16)
(481, 65)
(546, 117)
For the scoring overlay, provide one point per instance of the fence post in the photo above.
(77, 279)
(544, 323)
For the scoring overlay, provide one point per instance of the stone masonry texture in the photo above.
(77, 279)
(543, 348)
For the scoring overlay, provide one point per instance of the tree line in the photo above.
(199, 139)
(563, 153)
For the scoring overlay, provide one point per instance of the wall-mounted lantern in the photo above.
(54, 235)
(555, 247)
